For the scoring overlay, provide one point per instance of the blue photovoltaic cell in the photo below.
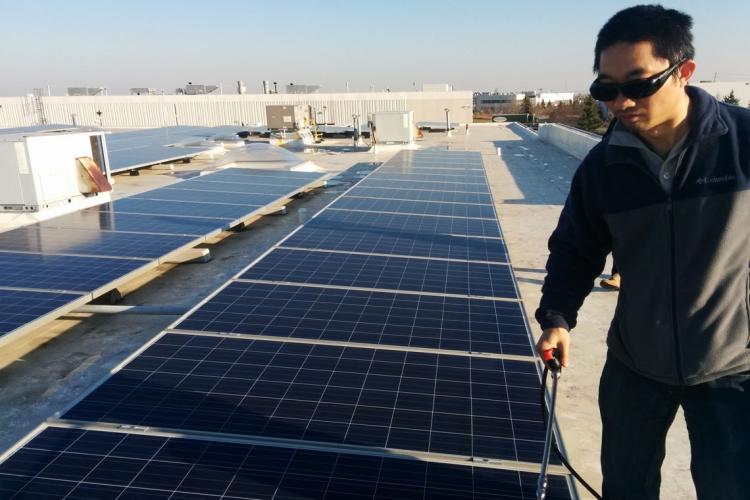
(217, 196)
(62, 272)
(140, 156)
(474, 167)
(442, 153)
(265, 176)
(230, 186)
(451, 181)
(405, 235)
(437, 174)
(96, 218)
(416, 207)
(420, 195)
(438, 403)
(215, 211)
(394, 273)
(425, 185)
(445, 171)
(137, 231)
(18, 308)
(427, 321)
(52, 240)
(399, 243)
(469, 165)
(136, 148)
(118, 141)
(420, 226)
(75, 463)
(197, 196)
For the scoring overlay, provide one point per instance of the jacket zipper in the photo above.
(673, 272)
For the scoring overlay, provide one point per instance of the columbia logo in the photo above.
(714, 180)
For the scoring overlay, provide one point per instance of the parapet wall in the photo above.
(574, 142)
(523, 131)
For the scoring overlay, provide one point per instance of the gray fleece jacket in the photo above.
(683, 312)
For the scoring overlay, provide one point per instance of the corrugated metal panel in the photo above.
(209, 110)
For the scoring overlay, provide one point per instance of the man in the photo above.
(668, 192)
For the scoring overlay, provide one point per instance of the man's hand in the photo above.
(555, 338)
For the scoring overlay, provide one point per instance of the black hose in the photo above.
(554, 445)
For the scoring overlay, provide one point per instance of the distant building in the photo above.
(143, 91)
(297, 88)
(554, 97)
(489, 100)
(80, 91)
(722, 89)
(493, 101)
(192, 89)
(437, 87)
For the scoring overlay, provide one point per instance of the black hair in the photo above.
(668, 30)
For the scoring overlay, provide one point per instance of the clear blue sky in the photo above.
(475, 45)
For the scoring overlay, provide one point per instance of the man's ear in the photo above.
(686, 71)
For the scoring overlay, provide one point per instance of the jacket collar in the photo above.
(706, 121)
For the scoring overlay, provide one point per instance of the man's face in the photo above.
(623, 62)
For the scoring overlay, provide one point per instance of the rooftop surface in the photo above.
(529, 182)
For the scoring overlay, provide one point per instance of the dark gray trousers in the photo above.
(636, 413)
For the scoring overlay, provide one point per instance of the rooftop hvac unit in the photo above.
(44, 170)
(292, 117)
(394, 127)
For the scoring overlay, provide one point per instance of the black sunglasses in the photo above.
(634, 89)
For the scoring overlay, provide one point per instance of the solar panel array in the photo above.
(379, 351)
(54, 266)
(138, 148)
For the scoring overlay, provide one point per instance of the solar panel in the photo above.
(74, 463)
(419, 236)
(403, 244)
(449, 175)
(95, 248)
(367, 317)
(434, 403)
(416, 207)
(180, 208)
(142, 156)
(392, 273)
(438, 162)
(436, 153)
(449, 180)
(52, 240)
(405, 337)
(62, 272)
(409, 168)
(21, 307)
(97, 218)
(138, 148)
(425, 185)
(232, 198)
(418, 226)
(439, 168)
(207, 183)
(159, 136)
(420, 195)
(34, 129)
(197, 196)
(264, 176)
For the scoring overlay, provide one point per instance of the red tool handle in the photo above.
(551, 358)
